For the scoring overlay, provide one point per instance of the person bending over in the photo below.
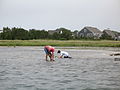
(49, 50)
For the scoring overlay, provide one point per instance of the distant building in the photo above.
(51, 32)
(109, 33)
(75, 34)
(1, 31)
(112, 34)
(117, 35)
(90, 32)
(118, 38)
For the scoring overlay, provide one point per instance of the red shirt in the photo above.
(50, 48)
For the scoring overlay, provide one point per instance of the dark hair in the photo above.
(58, 51)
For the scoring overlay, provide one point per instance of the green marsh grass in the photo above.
(62, 43)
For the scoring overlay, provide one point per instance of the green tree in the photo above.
(44, 34)
(56, 36)
(38, 34)
(6, 34)
(32, 34)
(65, 34)
(20, 34)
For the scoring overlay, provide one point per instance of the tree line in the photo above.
(22, 34)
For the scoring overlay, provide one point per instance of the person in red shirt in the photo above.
(49, 50)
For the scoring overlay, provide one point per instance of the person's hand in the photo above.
(60, 57)
(52, 60)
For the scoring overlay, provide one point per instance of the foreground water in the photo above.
(25, 68)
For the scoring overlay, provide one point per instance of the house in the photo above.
(90, 32)
(118, 37)
(1, 31)
(51, 32)
(112, 34)
(108, 32)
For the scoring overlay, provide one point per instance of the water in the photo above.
(25, 68)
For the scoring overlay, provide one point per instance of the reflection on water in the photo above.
(24, 68)
(117, 59)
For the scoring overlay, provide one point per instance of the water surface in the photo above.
(25, 68)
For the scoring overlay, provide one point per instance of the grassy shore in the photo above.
(86, 43)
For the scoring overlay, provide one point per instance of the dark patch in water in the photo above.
(116, 59)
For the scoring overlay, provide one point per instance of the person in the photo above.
(63, 54)
(49, 50)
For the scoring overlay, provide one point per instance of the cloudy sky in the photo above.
(52, 14)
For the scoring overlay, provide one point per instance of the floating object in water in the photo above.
(114, 54)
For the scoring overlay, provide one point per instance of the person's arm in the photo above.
(61, 56)
(52, 56)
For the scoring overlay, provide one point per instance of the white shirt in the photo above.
(63, 53)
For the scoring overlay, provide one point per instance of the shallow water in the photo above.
(25, 68)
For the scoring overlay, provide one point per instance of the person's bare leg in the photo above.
(46, 57)
(50, 57)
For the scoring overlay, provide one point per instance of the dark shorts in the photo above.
(67, 57)
(46, 51)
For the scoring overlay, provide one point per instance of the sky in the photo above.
(53, 14)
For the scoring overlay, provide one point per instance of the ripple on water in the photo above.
(24, 68)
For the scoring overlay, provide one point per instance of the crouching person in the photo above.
(64, 54)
